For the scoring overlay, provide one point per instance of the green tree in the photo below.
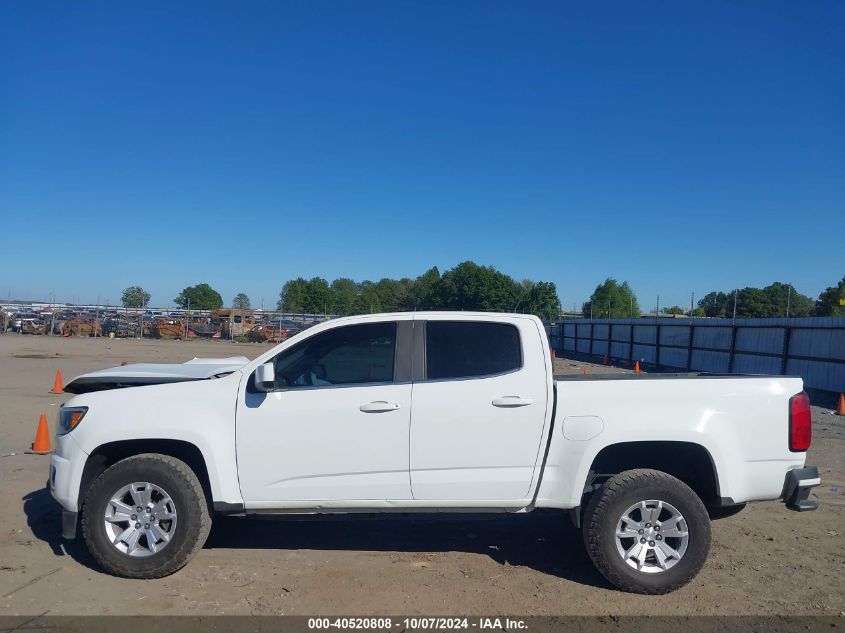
(674, 310)
(751, 303)
(368, 301)
(779, 295)
(425, 295)
(469, 286)
(241, 301)
(344, 295)
(830, 301)
(388, 294)
(199, 297)
(135, 297)
(614, 300)
(318, 296)
(540, 299)
(405, 294)
(716, 304)
(767, 302)
(293, 296)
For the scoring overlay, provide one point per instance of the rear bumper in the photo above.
(796, 489)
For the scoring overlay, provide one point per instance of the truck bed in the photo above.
(655, 376)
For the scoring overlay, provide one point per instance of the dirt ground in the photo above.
(765, 560)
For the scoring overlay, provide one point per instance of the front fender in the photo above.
(201, 413)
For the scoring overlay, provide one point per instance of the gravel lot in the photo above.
(765, 560)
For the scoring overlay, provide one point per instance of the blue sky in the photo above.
(683, 147)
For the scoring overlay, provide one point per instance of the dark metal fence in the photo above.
(813, 348)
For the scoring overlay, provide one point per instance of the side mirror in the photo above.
(265, 377)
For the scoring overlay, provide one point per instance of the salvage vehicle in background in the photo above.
(424, 412)
(32, 325)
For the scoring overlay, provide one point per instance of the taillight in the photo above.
(800, 423)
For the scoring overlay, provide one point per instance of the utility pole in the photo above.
(657, 307)
(735, 293)
(691, 303)
(788, 297)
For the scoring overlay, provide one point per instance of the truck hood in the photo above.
(141, 374)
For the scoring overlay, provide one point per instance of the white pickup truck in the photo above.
(424, 412)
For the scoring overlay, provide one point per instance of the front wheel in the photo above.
(647, 532)
(145, 516)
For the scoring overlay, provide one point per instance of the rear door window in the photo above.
(467, 349)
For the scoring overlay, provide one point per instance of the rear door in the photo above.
(479, 406)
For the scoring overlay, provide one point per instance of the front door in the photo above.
(336, 426)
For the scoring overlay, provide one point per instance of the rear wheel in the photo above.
(145, 517)
(647, 532)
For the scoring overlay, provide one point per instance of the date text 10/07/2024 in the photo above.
(419, 623)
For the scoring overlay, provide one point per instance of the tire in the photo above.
(186, 528)
(657, 573)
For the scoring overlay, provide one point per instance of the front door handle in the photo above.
(380, 406)
(512, 402)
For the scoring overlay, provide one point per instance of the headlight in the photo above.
(70, 417)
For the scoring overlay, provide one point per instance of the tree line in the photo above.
(773, 301)
(199, 297)
(467, 286)
(615, 300)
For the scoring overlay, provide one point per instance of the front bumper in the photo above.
(796, 489)
(66, 465)
(69, 522)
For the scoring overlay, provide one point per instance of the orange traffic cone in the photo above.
(57, 383)
(586, 371)
(41, 445)
(840, 410)
(554, 354)
(637, 367)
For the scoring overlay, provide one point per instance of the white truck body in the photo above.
(510, 440)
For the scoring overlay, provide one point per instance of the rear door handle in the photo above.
(380, 406)
(512, 401)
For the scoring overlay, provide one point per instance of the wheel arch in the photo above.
(690, 462)
(106, 455)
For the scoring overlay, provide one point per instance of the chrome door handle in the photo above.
(512, 402)
(379, 406)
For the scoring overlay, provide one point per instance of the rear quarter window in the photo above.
(466, 349)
